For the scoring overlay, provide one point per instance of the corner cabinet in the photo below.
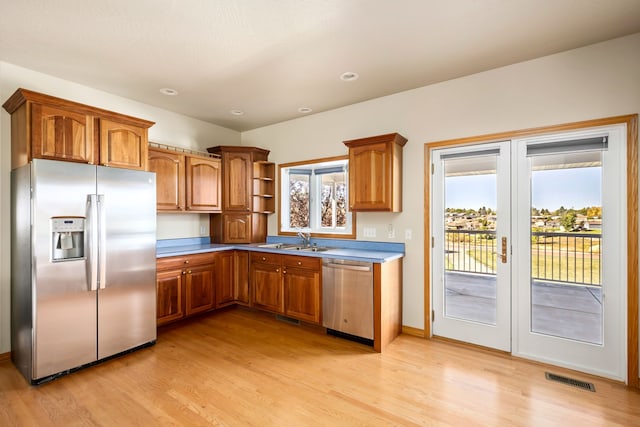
(46, 127)
(375, 173)
(185, 182)
(247, 195)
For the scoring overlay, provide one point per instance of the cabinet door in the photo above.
(238, 174)
(123, 146)
(203, 184)
(302, 293)
(170, 299)
(241, 277)
(170, 174)
(370, 177)
(266, 284)
(199, 290)
(60, 134)
(224, 283)
(237, 228)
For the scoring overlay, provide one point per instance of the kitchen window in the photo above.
(314, 198)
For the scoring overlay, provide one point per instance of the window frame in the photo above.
(314, 193)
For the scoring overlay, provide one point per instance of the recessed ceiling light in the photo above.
(349, 76)
(237, 112)
(304, 110)
(168, 91)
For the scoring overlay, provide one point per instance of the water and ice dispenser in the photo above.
(67, 238)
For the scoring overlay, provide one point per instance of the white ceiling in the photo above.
(271, 57)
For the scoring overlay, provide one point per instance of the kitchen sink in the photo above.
(272, 245)
(294, 247)
(307, 249)
(316, 249)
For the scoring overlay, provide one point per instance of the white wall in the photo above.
(170, 128)
(596, 81)
(593, 82)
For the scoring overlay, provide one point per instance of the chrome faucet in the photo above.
(306, 238)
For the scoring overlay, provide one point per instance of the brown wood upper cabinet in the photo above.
(185, 182)
(243, 218)
(375, 173)
(47, 127)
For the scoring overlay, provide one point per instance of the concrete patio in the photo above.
(569, 311)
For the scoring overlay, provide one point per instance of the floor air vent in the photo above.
(570, 381)
(287, 319)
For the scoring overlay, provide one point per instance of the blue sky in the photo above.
(571, 188)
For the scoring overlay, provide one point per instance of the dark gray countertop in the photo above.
(377, 252)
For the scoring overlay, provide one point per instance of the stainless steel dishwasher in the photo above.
(347, 298)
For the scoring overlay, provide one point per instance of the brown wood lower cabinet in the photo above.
(241, 277)
(170, 298)
(224, 278)
(302, 288)
(287, 284)
(266, 281)
(192, 284)
(184, 286)
(199, 295)
(232, 278)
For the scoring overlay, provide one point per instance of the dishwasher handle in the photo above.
(347, 266)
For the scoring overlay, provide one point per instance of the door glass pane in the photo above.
(566, 237)
(470, 202)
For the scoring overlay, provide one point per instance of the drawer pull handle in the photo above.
(264, 259)
(299, 262)
(186, 261)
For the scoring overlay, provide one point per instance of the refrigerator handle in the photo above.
(92, 225)
(102, 243)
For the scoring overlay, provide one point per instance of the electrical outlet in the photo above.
(369, 232)
(391, 233)
(407, 234)
(203, 231)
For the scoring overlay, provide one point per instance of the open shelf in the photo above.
(264, 187)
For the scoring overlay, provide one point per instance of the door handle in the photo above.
(102, 242)
(503, 252)
(92, 231)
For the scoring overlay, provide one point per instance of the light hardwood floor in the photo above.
(245, 368)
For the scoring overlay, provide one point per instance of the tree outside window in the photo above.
(316, 201)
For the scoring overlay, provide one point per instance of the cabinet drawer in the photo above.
(171, 263)
(265, 257)
(302, 262)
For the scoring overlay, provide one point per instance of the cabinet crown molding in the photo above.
(388, 137)
(21, 96)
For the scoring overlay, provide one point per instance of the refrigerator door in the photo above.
(127, 253)
(64, 306)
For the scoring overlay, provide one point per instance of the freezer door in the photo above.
(64, 315)
(127, 252)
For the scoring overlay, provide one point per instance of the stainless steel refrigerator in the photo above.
(83, 264)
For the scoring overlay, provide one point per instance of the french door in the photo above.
(471, 239)
(529, 249)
